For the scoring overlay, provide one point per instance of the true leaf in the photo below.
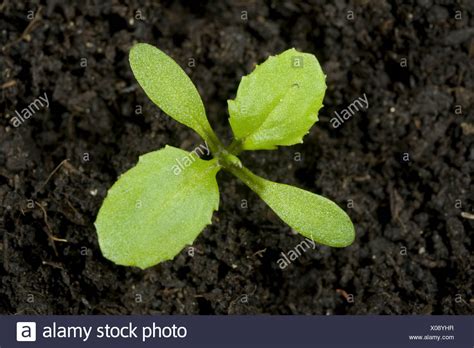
(168, 86)
(157, 207)
(278, 102)
(311, 215)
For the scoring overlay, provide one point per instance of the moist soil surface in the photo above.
(401, 168)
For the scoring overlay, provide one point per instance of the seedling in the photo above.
(154, 209)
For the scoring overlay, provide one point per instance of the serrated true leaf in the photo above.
(157, 207)
(278, 102)
(168, 86)
(311, 215)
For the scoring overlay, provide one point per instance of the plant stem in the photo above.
(249, 178)
(214, 143)
(235, 147)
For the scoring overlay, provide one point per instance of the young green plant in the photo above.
(154, 210)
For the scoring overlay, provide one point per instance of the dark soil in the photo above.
(413, 248)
